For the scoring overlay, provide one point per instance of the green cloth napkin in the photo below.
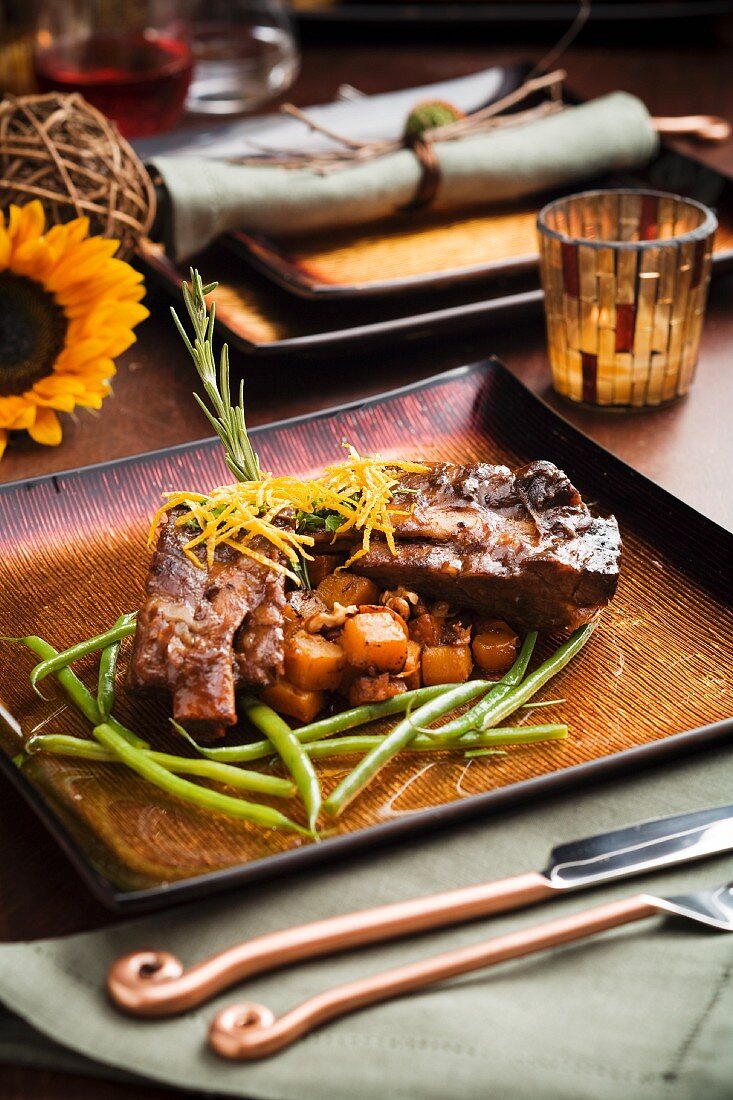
(210, 197)
(641, 1013)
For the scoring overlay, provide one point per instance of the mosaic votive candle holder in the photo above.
(625, 275)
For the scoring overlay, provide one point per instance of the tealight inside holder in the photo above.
(625, 275)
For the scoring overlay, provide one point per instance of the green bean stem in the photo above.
(61, 744)
(76, 691)
(290, 751)
(324, 727)
(360, 744)
(397, 739)
(514, 676)
(124, 626)
(490, 711)
(108, 667)
(205, 797)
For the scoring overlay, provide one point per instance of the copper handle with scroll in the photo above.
(155, 983)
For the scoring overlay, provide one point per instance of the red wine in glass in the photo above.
(138, 79)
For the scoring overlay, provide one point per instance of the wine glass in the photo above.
(129, 58)
(244, 52)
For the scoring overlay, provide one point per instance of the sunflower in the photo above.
(67, 309)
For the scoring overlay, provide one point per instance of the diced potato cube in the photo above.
(446, 664)
(286, 698)
(495, 647)
(323, 566)
(376, 640)
(312, 662)
(346, 588)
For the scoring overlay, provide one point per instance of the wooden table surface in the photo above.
(688, 447)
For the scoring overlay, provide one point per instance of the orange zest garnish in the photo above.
(359, 490)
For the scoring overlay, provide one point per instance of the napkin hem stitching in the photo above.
(698, 1026)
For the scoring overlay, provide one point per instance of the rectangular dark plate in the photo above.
(431, 251)
(75, 549)
(261, 319)
(502, 11)
(260, 316)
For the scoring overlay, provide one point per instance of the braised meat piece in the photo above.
(521, 546)
(201, 633)
(258, 647)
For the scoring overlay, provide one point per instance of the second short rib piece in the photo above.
(201, 633)
(518, 545)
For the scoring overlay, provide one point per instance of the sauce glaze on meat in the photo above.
(203, 633)
(519, 545)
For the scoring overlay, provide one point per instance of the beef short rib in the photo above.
(203, 632)
(521, 546)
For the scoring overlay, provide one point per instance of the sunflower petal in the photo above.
(78, 353)
(56, 384)
(62, 402)
(46, 429)
(119, 342)
(114, 316)
(28, 223)
(3, 441)
(24, 417)
(92, 400)
(83, 262)
(33, 259)
(5, 248)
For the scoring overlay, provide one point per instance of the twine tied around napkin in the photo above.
(427, 123)
(427, 188)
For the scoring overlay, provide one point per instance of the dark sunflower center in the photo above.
(32, 332)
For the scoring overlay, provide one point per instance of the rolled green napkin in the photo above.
(642, 1012)
(211, 197)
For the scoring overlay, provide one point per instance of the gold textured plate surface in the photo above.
(75, 546)
(261, 318)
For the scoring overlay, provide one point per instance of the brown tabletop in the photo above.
(687, 448)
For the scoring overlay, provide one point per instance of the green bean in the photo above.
(108, 668)
(514, 676)
(368, 712)
(62, 745)
(160, 777)
(290, 751)
(397, 739)
(324, 727)
(492, 710)
(76, 691)
(473, 754)
(360, 744)
(122, 628)
(513, 735)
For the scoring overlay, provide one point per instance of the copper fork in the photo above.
(250, 1031)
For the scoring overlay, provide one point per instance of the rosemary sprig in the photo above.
(227, 420)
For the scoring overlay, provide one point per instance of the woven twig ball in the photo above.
(61, 150)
